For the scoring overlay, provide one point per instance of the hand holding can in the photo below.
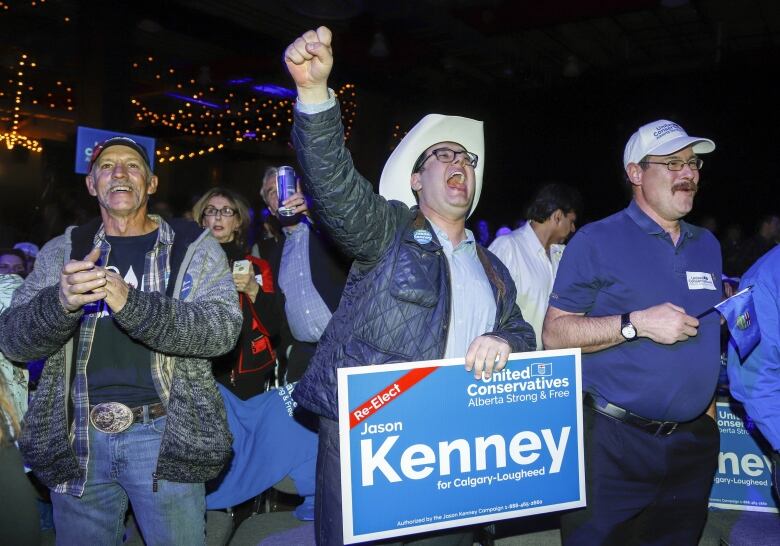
(285, 186)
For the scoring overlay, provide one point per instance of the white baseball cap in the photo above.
(395, 183)
(662, 137)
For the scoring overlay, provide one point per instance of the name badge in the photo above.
(698, 280)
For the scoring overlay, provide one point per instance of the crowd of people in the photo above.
(160, 335)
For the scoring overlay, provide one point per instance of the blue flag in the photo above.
(740, 314)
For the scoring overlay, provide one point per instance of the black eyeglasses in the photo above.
(677, 164)
(213, 211)
(448, 155)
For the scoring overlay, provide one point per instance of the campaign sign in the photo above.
(87, 138)
(425, 446)
(744, 477)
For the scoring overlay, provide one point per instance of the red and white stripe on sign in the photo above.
(388, 394)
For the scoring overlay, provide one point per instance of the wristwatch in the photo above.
(627, 330)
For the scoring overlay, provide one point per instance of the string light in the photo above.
(21, 94)
(219, 114)
(167, 156)
(348, 99)
(226, 114)
(33, 3)
(13, 137)
(398, 135)
(198, 119)
(251, 121)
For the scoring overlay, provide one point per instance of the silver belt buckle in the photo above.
(111, 417)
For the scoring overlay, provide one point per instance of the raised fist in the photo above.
(309, 60)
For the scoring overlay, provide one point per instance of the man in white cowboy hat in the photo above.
(420, 287)
(633, 291)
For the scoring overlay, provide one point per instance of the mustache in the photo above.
(685, 186)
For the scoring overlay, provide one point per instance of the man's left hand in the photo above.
(487, 354)
(117, 290)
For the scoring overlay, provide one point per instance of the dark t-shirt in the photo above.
(119, 368)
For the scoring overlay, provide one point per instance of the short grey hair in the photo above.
(270, 171)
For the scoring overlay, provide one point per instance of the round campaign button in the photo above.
(422, 236)
(186, 286)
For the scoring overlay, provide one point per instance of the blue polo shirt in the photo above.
(627, 262)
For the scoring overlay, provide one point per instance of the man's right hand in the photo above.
(666, 323)
(297, 203)
(309, 60)
(81, 282)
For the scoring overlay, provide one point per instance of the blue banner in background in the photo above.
(744, 477)
(87, 138)
(425, 446)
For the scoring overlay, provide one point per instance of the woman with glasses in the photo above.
(249, 369)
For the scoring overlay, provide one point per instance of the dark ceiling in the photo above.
(398, 48)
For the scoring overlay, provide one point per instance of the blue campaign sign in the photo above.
(87, 138)
(425, 446)
(744, 477)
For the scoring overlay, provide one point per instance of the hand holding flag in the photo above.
(740, 315)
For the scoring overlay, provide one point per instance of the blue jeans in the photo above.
(120, 469)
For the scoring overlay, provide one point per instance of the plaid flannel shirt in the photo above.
(155, 278)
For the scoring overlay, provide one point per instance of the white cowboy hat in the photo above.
(432, 129)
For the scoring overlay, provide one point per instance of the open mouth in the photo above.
(120, 189)
(456, 180)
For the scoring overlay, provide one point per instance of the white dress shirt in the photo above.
(472, 303)
(532, 270)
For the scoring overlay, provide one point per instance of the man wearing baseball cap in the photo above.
(420, 287)
(127, 309)
(632, 291)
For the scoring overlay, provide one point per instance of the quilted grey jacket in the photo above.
(396, 303)
(183, 331)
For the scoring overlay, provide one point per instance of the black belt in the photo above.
(155, 411)
(651, 426)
